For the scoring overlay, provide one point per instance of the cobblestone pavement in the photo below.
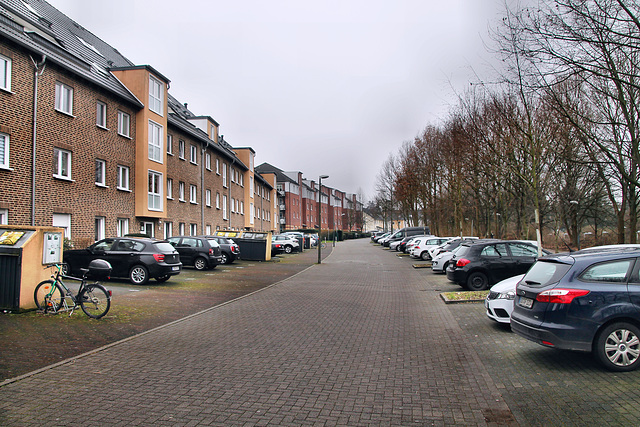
(362, 339)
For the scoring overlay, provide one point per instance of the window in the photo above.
(101, 167)
(100, 228)
(4, 216)
(168, 229)
(224, 207)
(122, 227)
(155, 191)
(181, 149)
(208, 161)
(233, 205)
(208, 230)
(251, 213)
(155, 142)
(251, 190)
(4, 150)
(61, 163)
(495, 250)
(63, 221)
(123, 178)
(155, 95)
(218, 166)
(101, 114)
(64, 98)
(217, 200)
(170, 145)
(241, 208)
(5, 73)
(193, 230)
(169, 188)
(208, 198)
(522, 250)
(613, 271)
(224, 174)
(193, 194)
(124, 124)
(181, 228)
(194, 154)
(181, 191)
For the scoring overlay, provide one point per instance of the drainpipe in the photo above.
(37, 73)
(202, 189)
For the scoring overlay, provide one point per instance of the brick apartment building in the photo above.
(95, 144)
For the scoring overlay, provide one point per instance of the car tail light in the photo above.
(159, 257)
(462, 262)
(235, 249)
(416, 247)
(210, 251)
(560, 296)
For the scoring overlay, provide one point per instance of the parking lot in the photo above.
(363, 339)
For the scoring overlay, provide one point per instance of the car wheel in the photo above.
(477, 281)
(288, 249)
(425, 256)
(66, 269)
(445, 266)
(200, 263)
(618, 347)
(139, 275)
(225, 258)
(163, 279)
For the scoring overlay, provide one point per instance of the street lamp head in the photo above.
(324, 176)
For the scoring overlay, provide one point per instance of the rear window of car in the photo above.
(463, 251)
(543, 273)
(213, 243)
(164, 247)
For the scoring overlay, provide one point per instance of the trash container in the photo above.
(254, 246)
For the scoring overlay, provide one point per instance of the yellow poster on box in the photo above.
(10, 237)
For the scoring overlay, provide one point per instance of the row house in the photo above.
(94, 144)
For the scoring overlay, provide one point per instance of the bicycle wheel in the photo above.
(94, 300)
(48, 296)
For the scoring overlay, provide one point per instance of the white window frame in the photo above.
(62, 163)
(100, 173)
(169, 144)
(123, 178)
(100, 229)
(218, 166)
(217, 200)
(154, 190)
(193, 194)
(4, 216)
(181, 191)
(156, 96)
(155, 139)
(224, 207)
(224, 175)
(208, 230)
(124, 124)
(168, 229)
(193, 154)
(101, 114)
(170, 188)
(122, 227)
(193, 229)
(62, 221)
(207, 161)
(5, 73)
(233, 205)
(181, 149)
(181, 228)
(208, 198)
(4, 150)
(64, 98)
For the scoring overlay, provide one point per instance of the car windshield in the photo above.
(164, 247)
(543, 273)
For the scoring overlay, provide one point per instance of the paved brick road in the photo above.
(362, 339)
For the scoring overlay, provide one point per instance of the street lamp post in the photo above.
(320, 178)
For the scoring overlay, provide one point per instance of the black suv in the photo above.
(480, 264)
(229, 250)
(136, 258)
(200, 252)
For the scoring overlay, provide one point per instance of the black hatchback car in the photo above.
(480, 264)
(586, 301)
(138, 259)
(200, 252)
(229, 250)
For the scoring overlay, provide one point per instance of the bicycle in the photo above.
(53, 296)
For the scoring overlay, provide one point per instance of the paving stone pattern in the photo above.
(362, 339)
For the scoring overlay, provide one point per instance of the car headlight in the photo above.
(507, 295)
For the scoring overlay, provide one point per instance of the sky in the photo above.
(329, 87)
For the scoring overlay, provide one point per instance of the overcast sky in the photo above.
(328, 87)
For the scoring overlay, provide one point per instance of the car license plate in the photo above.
(525, 302)
(175, 268)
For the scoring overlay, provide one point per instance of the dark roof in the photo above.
(280, 175)
(42, 29)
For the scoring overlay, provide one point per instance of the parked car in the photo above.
(453, 243)
(440, 263)
(138, 259)
(276, 248)
(378, 237)
(585, 301)
(499, 302)
(402, 247)
(229, 250)
(479, 264)
(289, 243)
(200, 252)
(423, 244)
(402, 233)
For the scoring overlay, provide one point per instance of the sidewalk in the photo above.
(353, 341)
